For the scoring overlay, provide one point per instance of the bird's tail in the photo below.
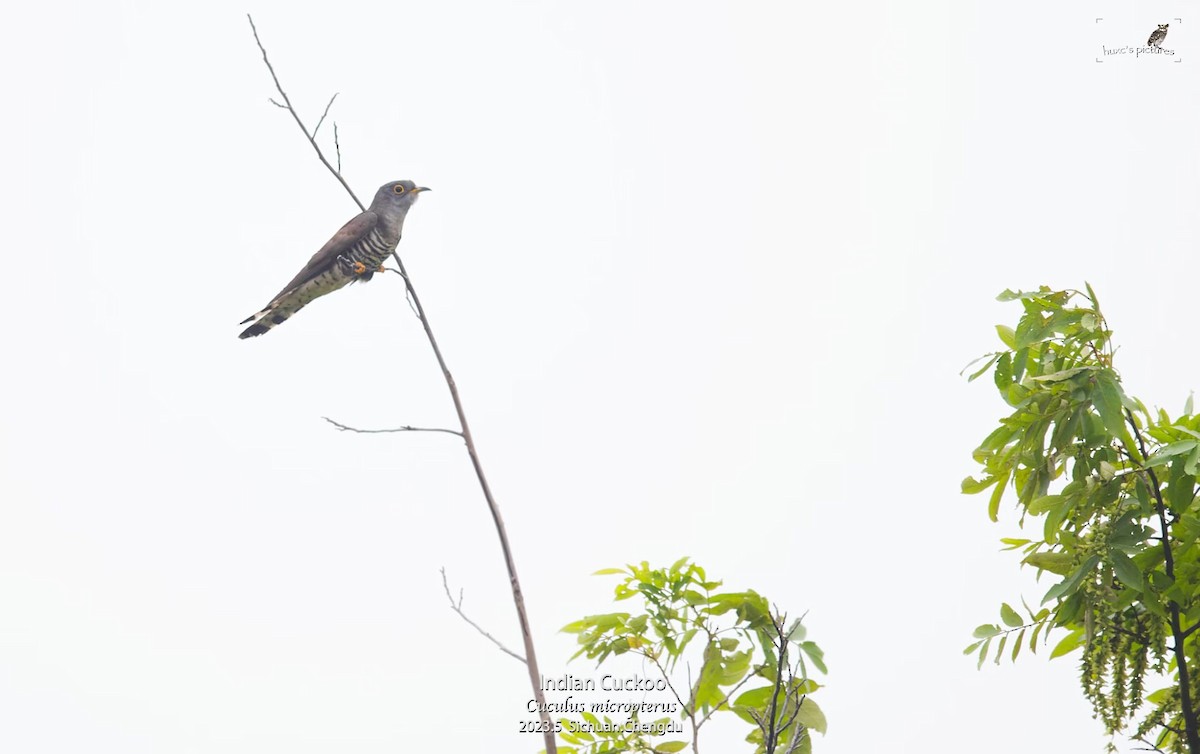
(265, 320)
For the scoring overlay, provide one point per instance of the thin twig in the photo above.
(797, 737)
(322, 120)
(278, 87)
(457, 607)
(337, 147)
(725, 702)
(510, 564)
(406, 428)
(407, 291)
(791, 697)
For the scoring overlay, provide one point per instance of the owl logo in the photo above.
(1157, 36)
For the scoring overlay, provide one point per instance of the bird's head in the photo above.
(396, 197)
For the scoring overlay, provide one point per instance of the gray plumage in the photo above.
(1157, 36)
(354, 253)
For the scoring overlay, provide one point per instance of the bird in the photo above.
(356, 252)
(1157, 36)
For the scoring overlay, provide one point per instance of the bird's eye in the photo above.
(399, 189)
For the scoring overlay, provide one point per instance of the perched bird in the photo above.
(1157, 36)
(356, 252)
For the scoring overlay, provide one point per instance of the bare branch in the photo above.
(337, 147)
(407, 291)
(663, 672)
(406, 428)
(415, 302)
(322, 120)
(770, 724)
(501, 532)
(797, 739)
(1188, 632)
(758, 719)
(791, 696)
(457, 607)
(288, 105)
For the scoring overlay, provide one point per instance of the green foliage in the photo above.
(738, 655)
(1115, 487)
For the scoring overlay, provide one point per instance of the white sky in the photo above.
(706, 274)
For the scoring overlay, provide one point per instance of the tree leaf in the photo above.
(1069, 643)
(1064, 374)
(1108, 400)
(1068, 586)
(1011, 618)
(815, 654)
(757, 698)
(1125, 570)
(1163, 454)
(983, 652)
(1040, 505)
(1008, 337)
(970, 485)
(810, 715)
(985, 631)
(994, 502)
(1054, 562)
(987, 365)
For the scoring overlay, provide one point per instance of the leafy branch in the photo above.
(740, 638)
(1115, 486)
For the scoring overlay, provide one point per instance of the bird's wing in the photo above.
(341, 242)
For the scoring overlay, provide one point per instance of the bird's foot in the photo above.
(354, 268)
(381, 268)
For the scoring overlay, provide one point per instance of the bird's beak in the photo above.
(419, 189)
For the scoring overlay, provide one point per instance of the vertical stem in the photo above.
(771, 733)
(514, 582)
(1191, 724)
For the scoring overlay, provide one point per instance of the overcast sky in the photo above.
(706, 274)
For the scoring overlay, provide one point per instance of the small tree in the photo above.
(735, 637)
(1114, 485)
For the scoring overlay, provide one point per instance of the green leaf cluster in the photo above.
(726, 641)
(1109, 489)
